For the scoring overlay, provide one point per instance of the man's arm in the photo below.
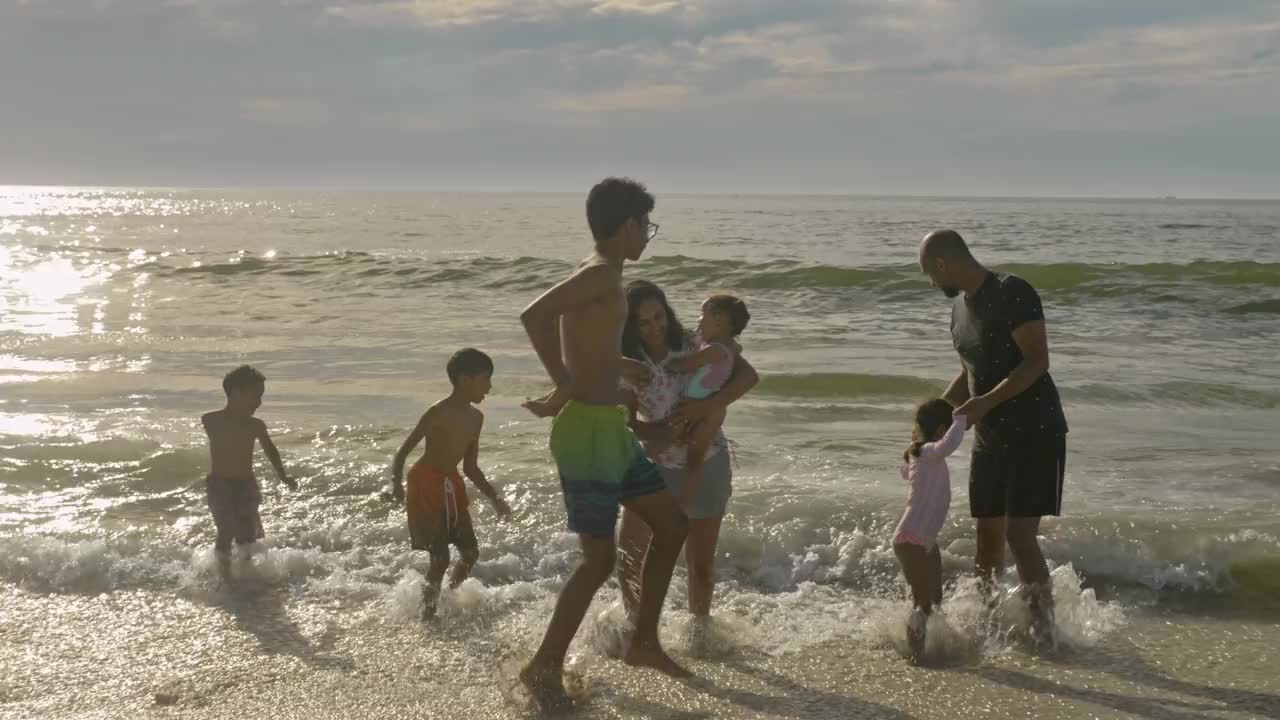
(273, 455)
(744, 378)
(541, 319)
(397, 465)
(471, 468)
(1034, 344)
(958, 391)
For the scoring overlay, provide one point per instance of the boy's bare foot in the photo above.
(1040, 604)
(651, 655)
(699, 636)
(429, 601)
(546, 686)
(224, 569)
(1043, 627)
(916, 626)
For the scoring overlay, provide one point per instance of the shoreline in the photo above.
(270, 655)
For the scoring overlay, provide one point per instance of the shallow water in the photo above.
(120, 310)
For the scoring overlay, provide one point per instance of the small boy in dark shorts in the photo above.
(437, 499)
(232, 488)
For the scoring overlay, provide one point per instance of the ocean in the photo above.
(121, 309)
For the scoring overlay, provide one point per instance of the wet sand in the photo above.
(148, 654)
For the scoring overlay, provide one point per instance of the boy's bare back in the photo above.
(591, 334)
(449, 430)
(231, 443)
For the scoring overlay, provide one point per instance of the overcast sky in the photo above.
(955, 97)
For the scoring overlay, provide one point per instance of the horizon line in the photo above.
(408, 190)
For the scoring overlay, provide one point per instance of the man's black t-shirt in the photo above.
(982, 332)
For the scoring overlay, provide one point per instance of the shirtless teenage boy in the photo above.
(576, 329)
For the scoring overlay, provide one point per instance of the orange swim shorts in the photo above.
(437, 507)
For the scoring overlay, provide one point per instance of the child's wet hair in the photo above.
(931, 416)
(731, 306)
(242, 378)
(468, 361)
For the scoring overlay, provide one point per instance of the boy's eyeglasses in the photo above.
(653, 230)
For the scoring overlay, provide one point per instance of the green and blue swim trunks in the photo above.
(601, 466)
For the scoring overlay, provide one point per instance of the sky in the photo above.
(1134, 98)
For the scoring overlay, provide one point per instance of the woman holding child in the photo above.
(661, 415)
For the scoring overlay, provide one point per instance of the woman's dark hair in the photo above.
(638, 293)
(931, 416)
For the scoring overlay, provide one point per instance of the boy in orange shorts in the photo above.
(437, 499)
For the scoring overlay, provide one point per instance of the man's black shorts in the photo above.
(1019, 478)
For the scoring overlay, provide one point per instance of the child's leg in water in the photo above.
(243, 554)
(224, 566)
(920, 571)
(462, 570)
(435, 576)
(699, 440)
(463, 537)
(935, 564)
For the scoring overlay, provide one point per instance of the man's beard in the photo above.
(950, 292)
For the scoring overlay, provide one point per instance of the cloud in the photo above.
(283, 112)
(866, 84)
(631, 99)
(462, 13)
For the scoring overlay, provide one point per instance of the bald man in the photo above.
(1004, 388)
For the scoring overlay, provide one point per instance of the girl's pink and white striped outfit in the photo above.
(930, 496)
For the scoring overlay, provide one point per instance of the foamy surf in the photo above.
(609, 631)
(355, 566)
(971, 624)
(576, 685)
(714, 637)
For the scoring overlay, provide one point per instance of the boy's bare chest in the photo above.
(453, 431)
(231, 437)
